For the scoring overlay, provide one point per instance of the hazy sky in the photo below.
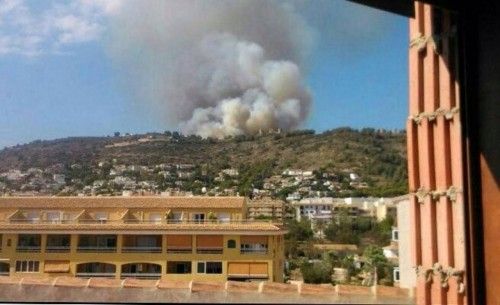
(57, 78)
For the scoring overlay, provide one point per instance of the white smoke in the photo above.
(216, 68)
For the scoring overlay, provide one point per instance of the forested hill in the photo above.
(377, 156)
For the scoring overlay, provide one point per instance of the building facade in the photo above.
(325, 207)
(178, 238)
(266, 208)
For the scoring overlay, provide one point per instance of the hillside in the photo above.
(378, 157)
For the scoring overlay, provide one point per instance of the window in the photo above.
(54, 216)
(27, 266)
(155, 217)
(395, 274)
(214, 267)
(28, 243)
(210, 267)
(201, 267)
(101, 217)
(176, 217)
(58, 243)
(199, 217)
(178, 267)
(224, 217)
(231, 244)
(395, 235)
(33, 216)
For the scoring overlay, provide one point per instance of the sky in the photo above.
(57, 78)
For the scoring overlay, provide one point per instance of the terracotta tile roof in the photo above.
(244, 227)
(270, 287)
(317, 289)
(242, 286)
(206, 286)
(391, 291)
(169, 284)
(44, 281)
(135, 283)
(69, 281)
(9, 280)
(104, 283)
(123, 202)
(146, 291)
(351, 289)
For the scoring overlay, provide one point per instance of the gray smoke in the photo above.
(216, 68)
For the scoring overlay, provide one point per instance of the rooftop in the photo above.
(124, 202)
(64, 289)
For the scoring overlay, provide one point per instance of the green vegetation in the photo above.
(377, 156)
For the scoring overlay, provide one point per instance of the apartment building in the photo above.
(325, 207)
(266, 208)
(178, 238)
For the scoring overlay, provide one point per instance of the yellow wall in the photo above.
(274, 258)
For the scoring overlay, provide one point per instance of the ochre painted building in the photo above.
(185, 238)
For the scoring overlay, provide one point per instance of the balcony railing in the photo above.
(253, 251)
(45, 221)
(57, 249)
(173, 249)
(95, 249)
(209, 250)
(131, 249)
(139, 221)
(28, 249)
(140, 275)
(95, 274)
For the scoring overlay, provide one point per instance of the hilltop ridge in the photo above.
(378, 157)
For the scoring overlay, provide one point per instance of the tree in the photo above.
(117, 133)
(300, 231)
(316, 273)
(341, 229)
(376, 262)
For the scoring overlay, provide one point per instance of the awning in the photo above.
(56, 267)
(255, 239)
(209, 241)
(179, 241)
(237, 269)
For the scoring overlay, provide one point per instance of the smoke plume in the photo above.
(216, 68)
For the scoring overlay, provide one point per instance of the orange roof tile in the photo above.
(242, 286)
(317, 289)
(206, 286)
(169, 284)
(246, 227)
(137, 283)
(105, 283)
(69, 281)
(123, 202)
(270, 287)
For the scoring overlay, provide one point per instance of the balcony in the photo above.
(28, 243)
(95, 249)
(57, 249)
(142, 243)
(141, 249)
(28, 249)
(179, 249)
(95, 270)
(58, 243)
(253, 251)
(209, 250)
(141, 271)
(97, 243)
